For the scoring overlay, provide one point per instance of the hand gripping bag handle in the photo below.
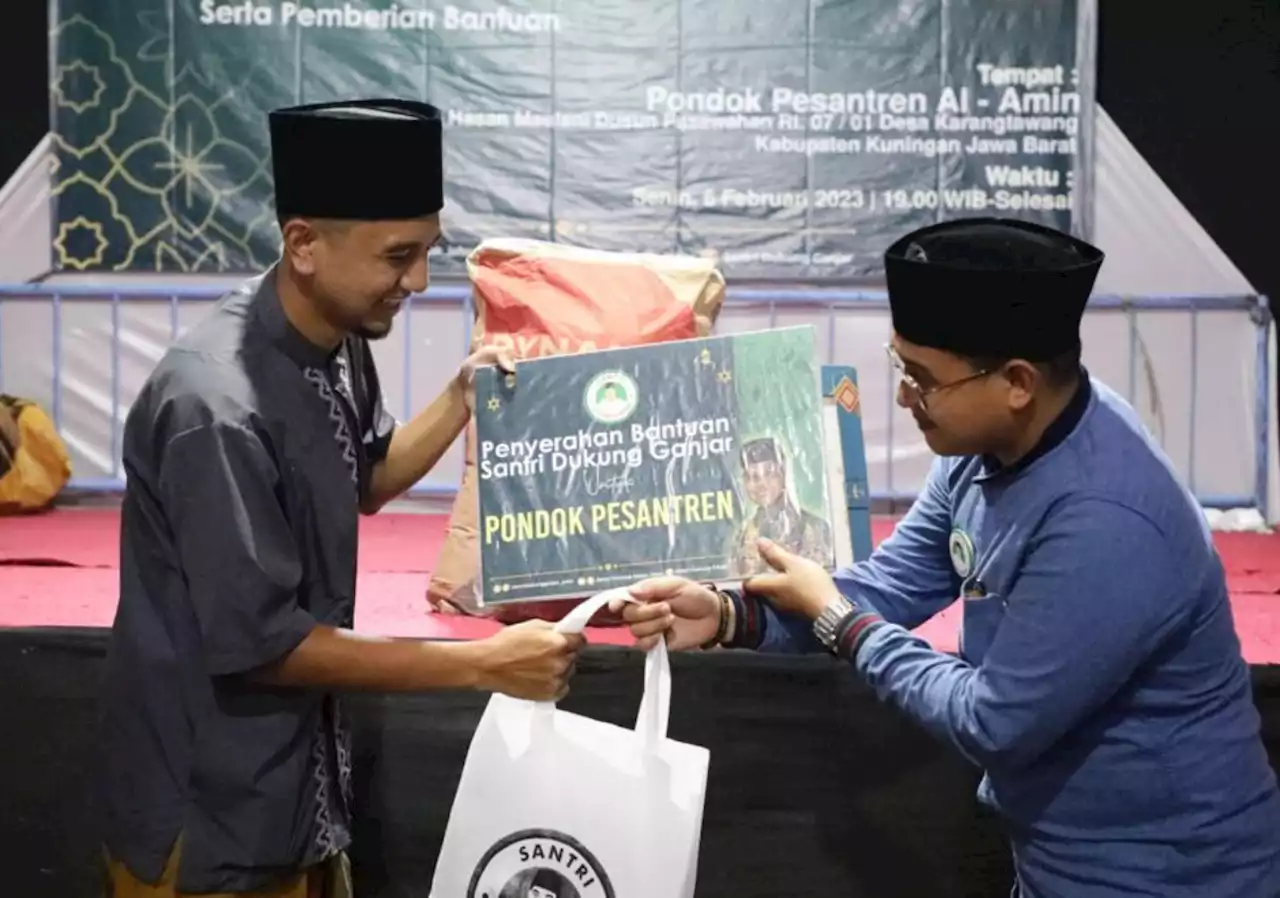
(655, 706)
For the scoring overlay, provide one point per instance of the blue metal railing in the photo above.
(773, 299)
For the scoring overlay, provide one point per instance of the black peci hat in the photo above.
(991, 287)
(364, 160)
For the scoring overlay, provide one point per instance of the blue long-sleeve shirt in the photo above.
(1100, 683)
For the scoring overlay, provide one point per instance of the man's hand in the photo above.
(529, 660)
(417, 446)
(685, 612)
(482, 358)
(799, 585)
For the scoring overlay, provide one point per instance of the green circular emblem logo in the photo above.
(611, 397)
(961, 548)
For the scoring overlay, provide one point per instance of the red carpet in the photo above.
(394, 543)
(58, 569)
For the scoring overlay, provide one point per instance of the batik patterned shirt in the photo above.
(247, 451)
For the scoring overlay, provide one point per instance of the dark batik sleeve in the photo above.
(377, 422)
(220, 485)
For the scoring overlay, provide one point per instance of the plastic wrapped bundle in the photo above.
(34, 465)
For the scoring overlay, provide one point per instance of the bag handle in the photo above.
(655, 706)
(576, 620)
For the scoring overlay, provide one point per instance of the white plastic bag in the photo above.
(556, 805)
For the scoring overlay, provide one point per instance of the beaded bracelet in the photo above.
(726, 607)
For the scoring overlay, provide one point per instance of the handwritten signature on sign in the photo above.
(597, 482)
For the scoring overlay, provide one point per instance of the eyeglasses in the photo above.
(912, 385)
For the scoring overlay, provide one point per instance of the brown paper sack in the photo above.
(541, 299)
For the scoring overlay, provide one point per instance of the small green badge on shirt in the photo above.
(961, 548)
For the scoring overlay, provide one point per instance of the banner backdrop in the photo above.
(792, 139)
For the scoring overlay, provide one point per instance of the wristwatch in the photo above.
(831, 621)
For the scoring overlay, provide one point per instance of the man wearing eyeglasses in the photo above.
(1100, 683)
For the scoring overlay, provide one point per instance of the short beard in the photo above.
(367, 334)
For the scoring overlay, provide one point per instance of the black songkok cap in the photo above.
(363, 160)
(546, 879)
(991, 287)
(760, 451)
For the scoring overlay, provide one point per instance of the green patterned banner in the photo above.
(788, 139)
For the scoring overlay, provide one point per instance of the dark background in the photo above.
(1194, 85)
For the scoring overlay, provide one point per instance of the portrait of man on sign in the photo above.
(778, 515)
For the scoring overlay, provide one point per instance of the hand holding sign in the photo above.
(796, 585)
(482, 358)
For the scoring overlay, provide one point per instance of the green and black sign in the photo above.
(602, 468)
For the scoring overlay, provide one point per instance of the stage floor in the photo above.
(59, 569)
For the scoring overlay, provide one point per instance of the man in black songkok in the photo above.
(1100, 684)
(251, 450)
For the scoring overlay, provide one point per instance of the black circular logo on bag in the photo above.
(539, 863)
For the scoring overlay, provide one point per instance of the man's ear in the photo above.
(301, 236)
(1024, 379)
